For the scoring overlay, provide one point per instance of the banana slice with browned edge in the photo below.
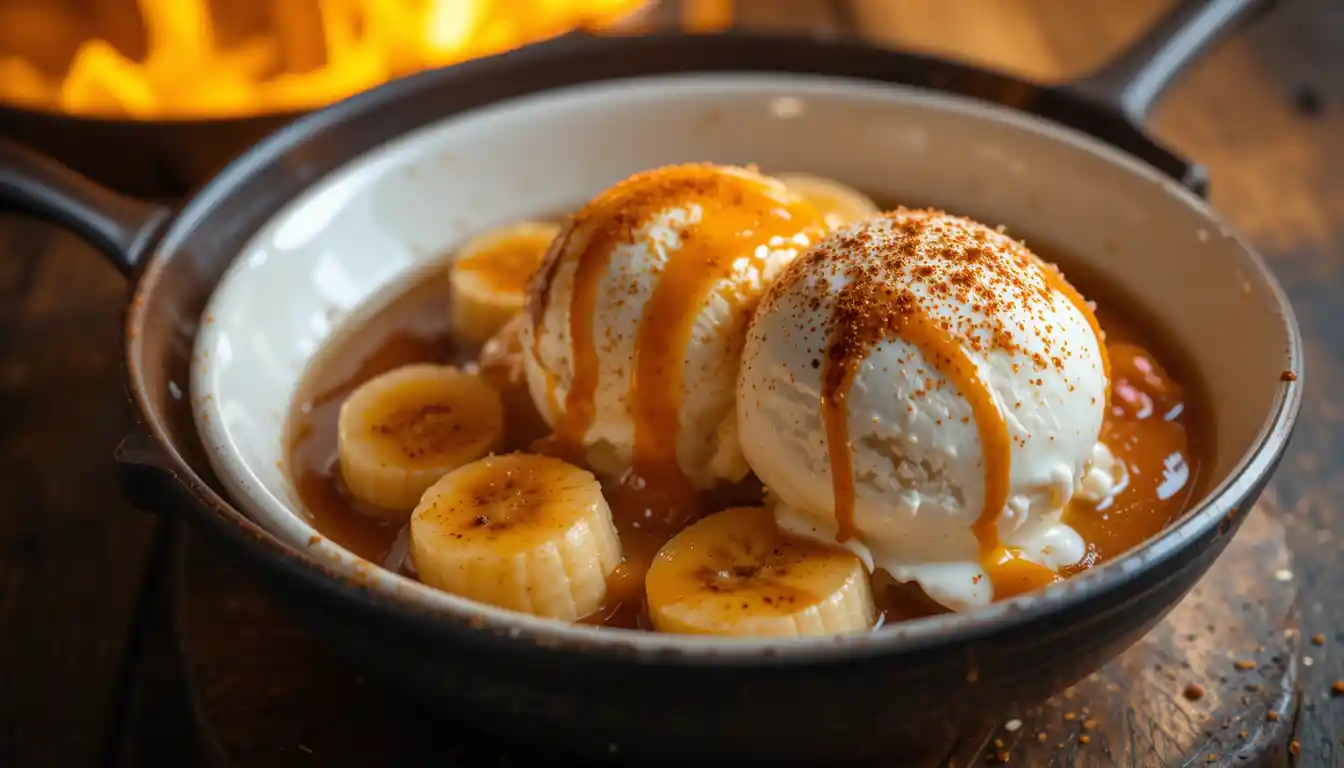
(401, 431)
(489, 277)
(520, 531)
(838, 203)
(736, 573)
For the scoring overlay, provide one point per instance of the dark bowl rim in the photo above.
(221, 517)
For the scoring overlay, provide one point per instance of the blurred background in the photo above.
(191, 59)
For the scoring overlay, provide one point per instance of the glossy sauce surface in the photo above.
(1152, 425)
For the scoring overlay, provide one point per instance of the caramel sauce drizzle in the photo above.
(875, 305)
(740, 217)
(868, 312)
(742, 220)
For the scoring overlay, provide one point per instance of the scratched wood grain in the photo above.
(72, 554)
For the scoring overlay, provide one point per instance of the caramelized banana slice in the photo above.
(520, 531)
(400, 432)
(838, 203)
(736, 573)
(490, 274)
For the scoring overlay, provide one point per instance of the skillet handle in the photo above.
(1133, 81)
(144, 471)
(120, 227)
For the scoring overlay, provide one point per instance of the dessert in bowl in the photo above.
(371, 247)
(280, 273)
(718, 402)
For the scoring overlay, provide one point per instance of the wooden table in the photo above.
(89, 668)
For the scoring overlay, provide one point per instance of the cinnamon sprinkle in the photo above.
(901, 274)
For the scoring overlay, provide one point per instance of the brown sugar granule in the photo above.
(1273, 716)
(1041, 737)
(1085, 739)
(1070, 716)
(1194, 692)
(1244, 665)
(1318, 639)
(1287, 376)
(1089, 725)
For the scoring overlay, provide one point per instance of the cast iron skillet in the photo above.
(936, 687)
(158, 159)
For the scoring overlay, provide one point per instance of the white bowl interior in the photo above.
(360, 232)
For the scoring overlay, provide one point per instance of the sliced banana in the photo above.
(519, 531)
(490, 274)
(399, 432)
(838, 203)
(736, 573)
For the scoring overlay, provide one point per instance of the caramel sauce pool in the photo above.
(1152, 424)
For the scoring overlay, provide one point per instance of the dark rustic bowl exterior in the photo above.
(918, 706)
(913, 699)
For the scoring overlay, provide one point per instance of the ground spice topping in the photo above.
(909, 276)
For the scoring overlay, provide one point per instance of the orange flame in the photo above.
(187, 74)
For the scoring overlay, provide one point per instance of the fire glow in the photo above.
(317, 51)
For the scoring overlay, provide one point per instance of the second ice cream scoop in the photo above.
(926, 391)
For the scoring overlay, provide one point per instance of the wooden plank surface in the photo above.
(1266, 115)
(71, 552)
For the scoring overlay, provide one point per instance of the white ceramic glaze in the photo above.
(349, 243)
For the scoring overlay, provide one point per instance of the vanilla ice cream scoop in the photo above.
(929, 393)
(638, 315)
